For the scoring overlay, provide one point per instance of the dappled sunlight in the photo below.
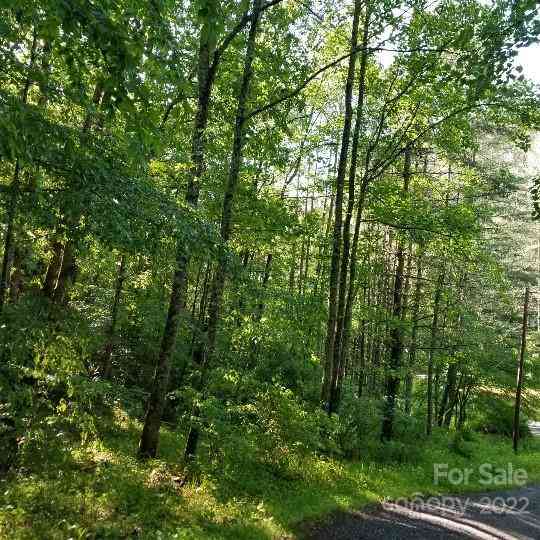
(268, 268)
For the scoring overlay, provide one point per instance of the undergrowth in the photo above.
(96, 489)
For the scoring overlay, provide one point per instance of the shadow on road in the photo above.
(509, 515)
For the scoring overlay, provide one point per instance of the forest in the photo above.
(260, 259)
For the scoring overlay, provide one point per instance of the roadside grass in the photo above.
(98, 490)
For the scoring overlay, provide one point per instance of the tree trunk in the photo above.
(414, 333)
(156, 401)
(13, 200)
(451, 384)
(329, 370)
(396, 332)
(519, 384)
(218, 283)
(67, 275)
(431, 354)
(462, 416)
(362, 349)
(111, 332)
(321, 255)
(449, 389)
(438, 368)
(339, 354)
(68, 268)
(53, 270)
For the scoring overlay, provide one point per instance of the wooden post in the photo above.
(520, 371)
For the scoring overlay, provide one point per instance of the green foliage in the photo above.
(358, 425)
(117, 121)
(459, 444)
(99, 489)
(496, 416)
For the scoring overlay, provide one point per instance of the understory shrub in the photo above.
(359, 424)
(496, 417)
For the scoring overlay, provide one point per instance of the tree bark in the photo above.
(448, 393)
(322, 246)
(53, 270)
(431, 354)
(208, 61)
(414, 333)
(111, 332)
(218, 283)
(451, 384)
(339, 353)
(519, 384)
(329, 369)
(396, 333)
(67, 275)
(13, 200)
(148, 443)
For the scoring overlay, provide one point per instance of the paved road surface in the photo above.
(535, 428)
(480, 517)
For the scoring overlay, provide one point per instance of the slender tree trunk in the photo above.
(431, 354)
(199, 317)
(450, 387)
(67, 275)
(438, 368)
(322, 247)
(8, 240)
(453, 402)
(378, 333)
(448, 392)
(329, 370)
(13, 200)
(68, 269)
(156, 402)
(519, 384)
(206, 75)
(196, 289)
(17, 282)
(264, 284)
(362, 347)
(396, 332)
(462, 416)
(351, 292)
(218, 283)
(53, 270)
(406, 299)
(339, 349)
(414, 333)
(307, 257)
(148, 443)
(303, 253)
(245, 262)
(111, 332)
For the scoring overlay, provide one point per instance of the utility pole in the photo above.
(520, 371)
(538, 286)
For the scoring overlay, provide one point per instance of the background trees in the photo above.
(217, 213)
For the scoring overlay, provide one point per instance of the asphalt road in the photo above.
(503, 515)
(506, 515)
(534, 427)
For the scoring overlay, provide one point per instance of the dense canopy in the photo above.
(280, 229)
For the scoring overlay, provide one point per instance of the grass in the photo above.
(98, 490)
